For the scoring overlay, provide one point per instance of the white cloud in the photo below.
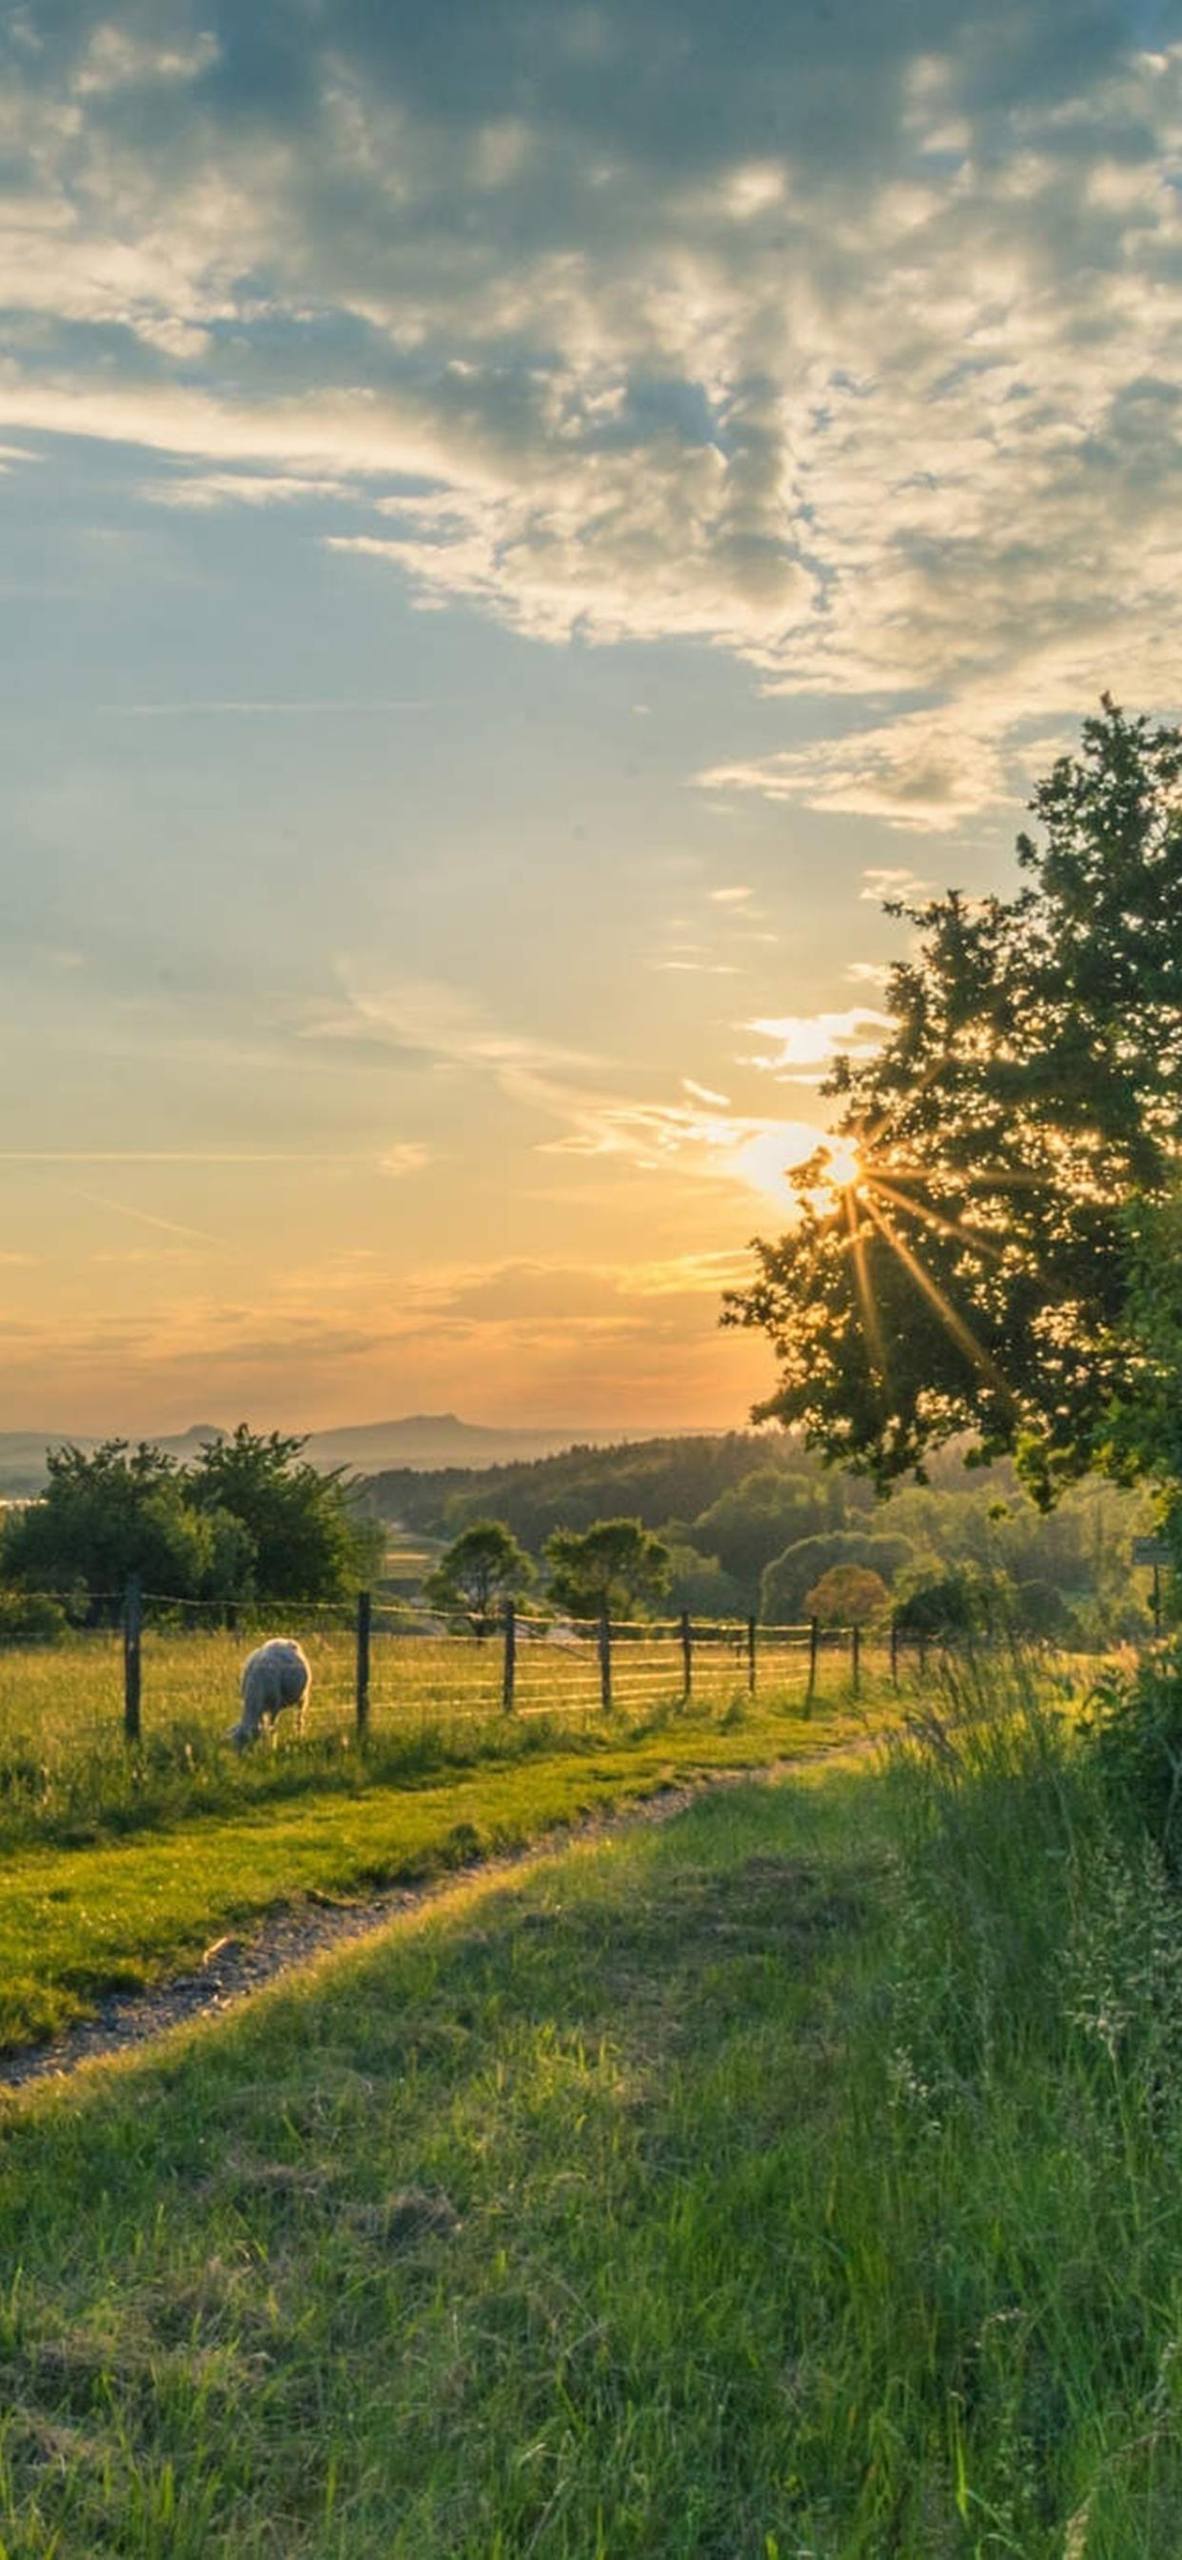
(805, 1045)
(893, 416)
(889, 882)
(700, 1139)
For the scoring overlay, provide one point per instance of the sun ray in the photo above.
(954, 1324)
(870, 1316)
(972, 1236)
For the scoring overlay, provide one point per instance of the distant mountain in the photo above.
(419, 1440)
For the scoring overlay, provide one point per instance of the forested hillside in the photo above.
(753, 1521)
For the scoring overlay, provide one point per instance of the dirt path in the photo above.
(235, 1967)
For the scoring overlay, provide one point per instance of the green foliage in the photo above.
(247, 1517)
(1135, 1729)
(30, 1616)
(786, 1583)
(945, 1601)
(310, 1543)
(481, 1569)
(1030, 1090)
(753, 1521)
(649, 1480)
(107, 1515)
(617, 1565)
(698, 1583)
(848, 1595)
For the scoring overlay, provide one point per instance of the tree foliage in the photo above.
(248, 1518)
(848, 1595)
(755, 1520)
(309, 1540)
(1014, 1131)
(482, 1569)
(784, 1589)
(617, 1565)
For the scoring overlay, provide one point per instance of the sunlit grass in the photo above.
(802, 2179)
(64, 1764)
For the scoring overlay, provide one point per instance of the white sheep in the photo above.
(276, 1675)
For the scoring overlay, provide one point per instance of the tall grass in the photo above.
(802, 2181)
(1013, 2162)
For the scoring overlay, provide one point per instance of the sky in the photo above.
(520, 524)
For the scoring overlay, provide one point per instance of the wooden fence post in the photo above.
(133, 1619)
(509, 1673)
(855, 1659)
(687, 1657)
(364, 1622)
(814, 1648)
(605, 1660)
(751, 1657)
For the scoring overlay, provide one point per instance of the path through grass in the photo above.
(803, 2179)
(128, 1909)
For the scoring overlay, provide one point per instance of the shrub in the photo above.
(849, 1595)
(786, 1583)
(26, 1615)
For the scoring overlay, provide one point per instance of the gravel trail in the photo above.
(284, 1939)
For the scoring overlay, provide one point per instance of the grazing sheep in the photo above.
(276, 1675)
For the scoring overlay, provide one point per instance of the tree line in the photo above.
(249, 1518)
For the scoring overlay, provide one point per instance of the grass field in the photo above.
(119, 1869)
(62, 1756)
(801, 2179)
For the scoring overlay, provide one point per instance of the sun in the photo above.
(843, 1167)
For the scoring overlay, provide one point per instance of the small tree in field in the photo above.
(849, 1595)
(615, 1565)
(482, 1569)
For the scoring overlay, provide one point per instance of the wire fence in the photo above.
(150, 1660)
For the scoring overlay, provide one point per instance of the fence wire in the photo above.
(66, 1693)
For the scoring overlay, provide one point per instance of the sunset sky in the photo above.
(521, 523)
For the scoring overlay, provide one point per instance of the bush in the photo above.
(849, 1595)
(786, 1583)
(30, 1615)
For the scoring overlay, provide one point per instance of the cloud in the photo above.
(890, 884)
(698, 1140)
(805, 1045)
(924, 770)
(854, 355)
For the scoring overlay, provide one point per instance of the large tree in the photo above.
(962, 1260)
(310, 1539)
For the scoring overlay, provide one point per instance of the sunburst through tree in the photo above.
(961, 1256)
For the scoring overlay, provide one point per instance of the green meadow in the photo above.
(119, 1867)
(801, 2177)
